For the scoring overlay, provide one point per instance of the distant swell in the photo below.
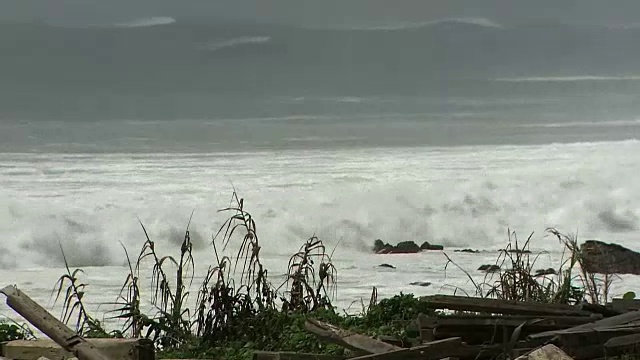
(245, 40)
(144, 22)
(568, 78)
(482, 22)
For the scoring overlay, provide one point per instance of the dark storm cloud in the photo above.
(324, 12)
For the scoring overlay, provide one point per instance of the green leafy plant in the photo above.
(10, 330)
(73, 307)
(594, 288)
(170, 326)
(517, 279)
(308, 286)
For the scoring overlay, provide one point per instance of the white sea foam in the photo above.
(460, 197)
(478, 21)
(144, 22)
(571, 124)
(243, 40)
(90, 203)
(567, 78)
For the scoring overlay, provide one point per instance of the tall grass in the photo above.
(233, 300)
(73, 308)
(309, 287)
(593, 288)
(518, 279)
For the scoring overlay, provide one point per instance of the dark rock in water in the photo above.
(427, 246)
(489, 268)
(388, 266)
(602, 258)
(467, 251)
(406, 247)
(420, 283)
(516, 251)
(380, 247)
(543, 272)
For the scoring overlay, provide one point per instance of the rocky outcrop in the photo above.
(471, 251)
(379, 246)
(426, 246)
(489, 268)
(544, 272)
(516, 251)
(404, 247)
(602, 258)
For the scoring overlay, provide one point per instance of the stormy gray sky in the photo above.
(325, 12)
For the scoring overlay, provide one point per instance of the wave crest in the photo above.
(477, 21)
(568, 78)
(145, 22)
(243, 40)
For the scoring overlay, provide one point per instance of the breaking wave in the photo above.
(572, 124)
(568, 78)
(244, 40)
(482, 22)
(461, 197)
(144, 22)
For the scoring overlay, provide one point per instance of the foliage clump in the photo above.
(10, 331)
(518, 279)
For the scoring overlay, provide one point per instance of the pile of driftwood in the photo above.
(475, 328)
(468, 328)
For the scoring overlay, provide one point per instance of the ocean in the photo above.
(457, 161)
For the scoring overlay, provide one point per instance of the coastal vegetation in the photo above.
(239, 308)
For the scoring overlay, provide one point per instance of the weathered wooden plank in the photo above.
(622, 305)
(484, 329)
(600, 309)
(433, 350)
(506, 320)
(494, 306)
(588, 343)
(114, 349)
(266, 355)
(49, 325)
(623, 341)
(600, 324)
(347, 339)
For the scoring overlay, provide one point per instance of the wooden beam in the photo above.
(494, 306)
(622, 305)
(50, 326)
(623, 341)
(504, 320)
(600, 324)
(114, 349)
(347, 339)
(430, 351)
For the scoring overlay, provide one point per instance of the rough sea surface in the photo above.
(345, 148)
